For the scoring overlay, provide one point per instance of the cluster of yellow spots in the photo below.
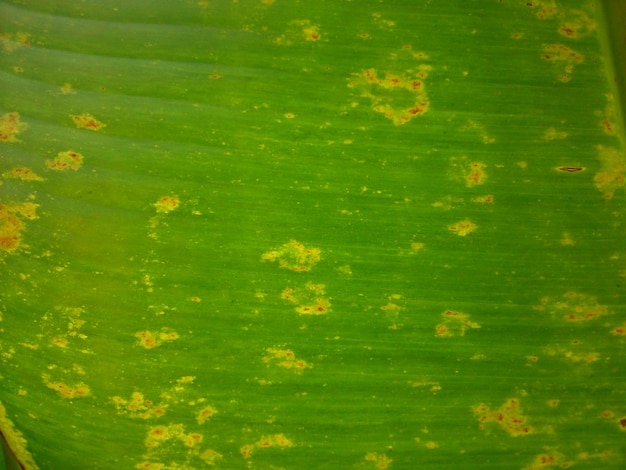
(285, 358)
(462, 227)
(563, 55)
(12, 41)
(68, 160)
(613, 168)
(619, 330)
(298, 30)
(433, 387)
(67, 89)
(74, 323)
(22, 173)
(572, 356)
(478, 128)
(509, 417)
(87, 121)
(150, 339)
(554, 134)
(486, 199)
(274, 440)
(392, 310)
(138, 406)
(157, 435)
(205, 414)
(399, 97)
(379, 460)
(310, 299)
(78, 390)
(573, 307)
(10, 127)
(476, 174)
(166, 204)
(294, 256)
(552, 459)
(454, 324)
(11, 225)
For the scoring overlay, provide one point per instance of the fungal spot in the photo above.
(398, 96)
(571, 169)
(546, 460)
(70, 392)
(298, 30)
(622, 423)
(210, 456)
(379, 460)
(619, 330)
(167, 204)
(22, 173)
(150, 340)
(612, 168)
(87, 121)
(487, 199)
(67, 89)
(565, 57)
(573, 307)
(608, 127)
(138, 406)
(454, 324)
(274, 440)
(11, 224)
(433, 387)
(476, 174)
(508, 417)
(205, 414)
(290, 115)
(12, 41)
(415, 247)
(10, 127)
(462, 227)
(294, 256)
(285, 358)
(309, 300)
(392, 311)
(68, 160)
(478, 128)
(567, 240)
(553, 134)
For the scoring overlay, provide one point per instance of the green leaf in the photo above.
(318, 234)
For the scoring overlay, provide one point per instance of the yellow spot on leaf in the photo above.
(294, 256)
(454, 324)
(22, 173)
(565, 57)
(611, 174)
(285, 358)
(68, 160)
(476, 174)
(87, 121)
(509, 417)
(210, 456)
(205, 414)
(10, 127)
(167, 204)
(150, 339)
(553, 134)
(399, 97)
(462, 227)
(379, 460)
(78, 390)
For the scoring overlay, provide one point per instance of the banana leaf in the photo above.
(330, 234)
